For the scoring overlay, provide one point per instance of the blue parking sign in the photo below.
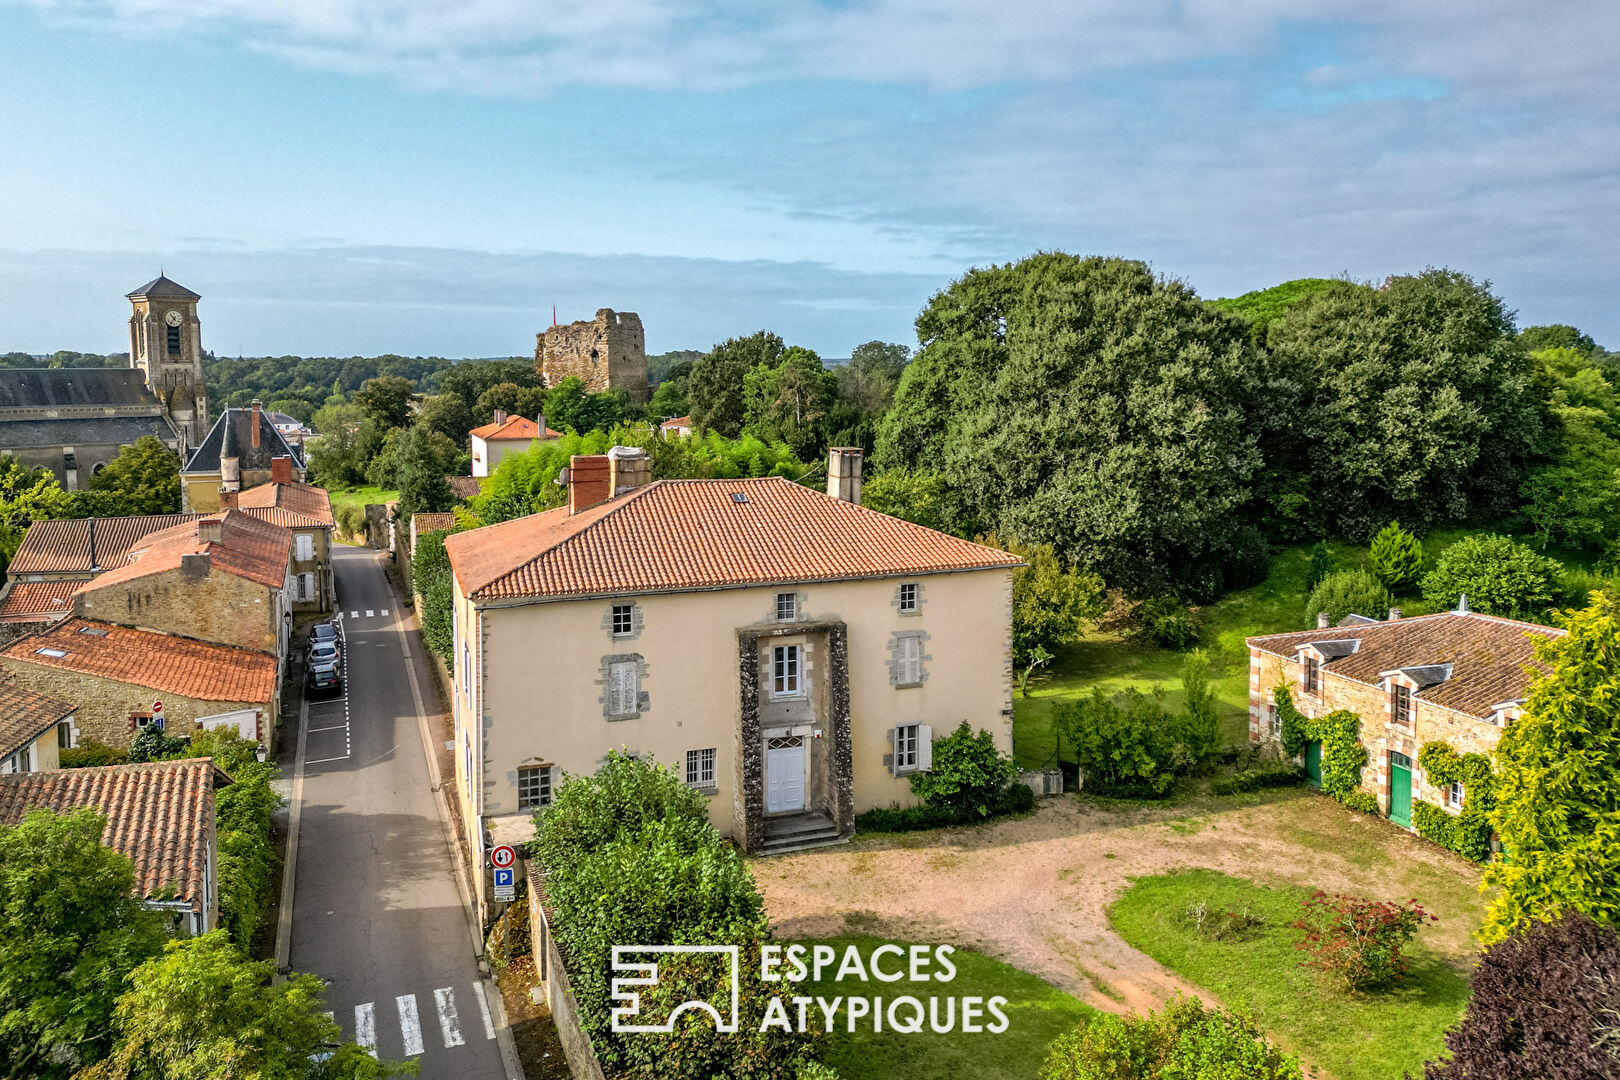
(503, 877)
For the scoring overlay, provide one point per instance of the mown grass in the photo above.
(358, 497)
(1367, 1036)
(1037, 1013)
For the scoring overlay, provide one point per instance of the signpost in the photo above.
(157, 714)
(503, 858)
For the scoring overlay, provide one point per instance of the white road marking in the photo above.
(354, 614)
(334, 727)
(410, 1025)
(324, 760)
(449, 1022)
(370, 613)
(382, 611)
(483, 1008)
(365, 1025)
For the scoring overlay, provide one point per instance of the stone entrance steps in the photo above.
(797, 832)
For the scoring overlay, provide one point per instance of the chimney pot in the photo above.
(590, 481)
(281, 470)
(500, 417)
(230, 473)
(844, 473)
(629, 468)
(1394, 614)
(1322, 620)
(540, 420)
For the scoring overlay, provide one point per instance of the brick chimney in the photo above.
(255, 436)
(500, 417)
(227, 498)
(1322, 620)
(590, 481)
(629, 468)
(280, 470)
(210, 530)
(844, 473)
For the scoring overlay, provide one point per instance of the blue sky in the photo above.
(430, 176)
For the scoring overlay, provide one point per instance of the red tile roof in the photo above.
(37, 601)
(247, 547)
(465, 487)
(290, 505)
(80, 545)
(515, 427)
(693, 534)
(164, 662)
(160, 814)
(1492, 659)
(25, 716)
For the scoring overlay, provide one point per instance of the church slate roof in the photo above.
(48, 388)
(232, 436)
(161, 288)
(82, 432)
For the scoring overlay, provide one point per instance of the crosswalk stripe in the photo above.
(370, 613)
(382, 611)
(483, 1007)
(410, 1025)
(365, 1025)
(354, 614)
(449, 1022)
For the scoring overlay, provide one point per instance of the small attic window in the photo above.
(738, 497)
(58, 653)
(95, 631)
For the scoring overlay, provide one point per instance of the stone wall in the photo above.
(605, 353)
(211, 605)
(553, 976)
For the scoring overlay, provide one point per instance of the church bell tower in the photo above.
(165, 342)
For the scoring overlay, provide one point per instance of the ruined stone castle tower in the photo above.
(607, 352)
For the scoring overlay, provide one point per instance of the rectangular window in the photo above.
(1275, 720)
(1403, 704)
(908, 596)
(785, 671)
(306, 586)
(787, 606)
(908, 661)
(304, 548)
(64, 735)
(1313, 675)
(624, 688)
(906, 742)
(534, 786)
(624, 621)
(1454, 795)
(700, 768)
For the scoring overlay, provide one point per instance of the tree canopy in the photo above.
(143, 479)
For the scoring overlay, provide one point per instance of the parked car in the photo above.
(325, 652)
(323, 678)
(325, 632)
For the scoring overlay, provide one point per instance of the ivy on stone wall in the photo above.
(1339, 732)
(1467, 833)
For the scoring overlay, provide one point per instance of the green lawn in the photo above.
(358, 497)
(1373, 1036)
(1037, 1013)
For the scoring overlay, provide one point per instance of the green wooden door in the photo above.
(1400, 789)
(1313, 762)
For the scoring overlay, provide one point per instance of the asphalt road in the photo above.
(376, 910)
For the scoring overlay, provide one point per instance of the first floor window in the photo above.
(700, 768)
(908, 596)
(908, 661)
(623, 620)
(785, 671)
(1313, 675)
(624, 688)
(787, 606)
(1454, 795)
(1403, 705)
(907, 741)
(305, 545)
(534, 786)
(64, 735)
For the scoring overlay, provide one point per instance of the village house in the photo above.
(305, 511)
(676, 426)
(1456, 677)
(237, 456)
(160, 814)
(34, 729)
(790, 653)
(505, 435)
(118, 675)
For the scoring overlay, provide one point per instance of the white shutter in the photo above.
(925, 747)
(910, 660)
(306, 547)
(894, 751)
(623, 688)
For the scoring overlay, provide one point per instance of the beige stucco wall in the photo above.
(539, 698)
(320, 567)
(488, 453)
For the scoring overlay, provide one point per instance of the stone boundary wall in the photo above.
(553, 976)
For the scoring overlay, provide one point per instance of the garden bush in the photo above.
(1499, 575)
(1219, 924)
(1348, 592)
(1122, 748)
(967, 775)
(1012, 799)
(1545, 1006)
(1321, 566)
(1256, 779)
(1168, 623)
(1184, 1040)
(1358, 942)
(1395, 558)
(91, 753)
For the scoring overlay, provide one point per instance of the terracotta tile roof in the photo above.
(164, 662)
(291, 505)
(25, 716)
(248, 548)
(427, 522)
(37, 601)
(80, 545)
(1489, 657)
(160, 814)
(693, 534)
(515, 427)
(677, 422)
(465, 487)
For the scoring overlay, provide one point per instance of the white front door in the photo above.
(784, 775)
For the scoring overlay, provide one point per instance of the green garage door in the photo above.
(1400, 789)
(1313, 762)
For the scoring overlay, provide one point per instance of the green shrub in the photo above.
(1200, 728)
(1365, 801)
(967, 774)
(1339, 732)
(1357, 942)
(1183, 1040)
(1468, 833)
(1321, 566)
(1168, 623)
(151, 744)
(1396, 558)
(1256, 779)
(1122, 748)
(1219, 924)
(1348, 592)
(1576, 586)
(351, 520)
(91, 753)
(430, 567)
(1499, 575)
(1013, 799)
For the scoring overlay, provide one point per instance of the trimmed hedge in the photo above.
(1014, 799)
(1255, 779)
(1107, 790)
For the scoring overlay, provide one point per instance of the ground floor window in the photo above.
(1454, 795)
(1274, 721)
(534, 786)
(906, 743)
(700, 768)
